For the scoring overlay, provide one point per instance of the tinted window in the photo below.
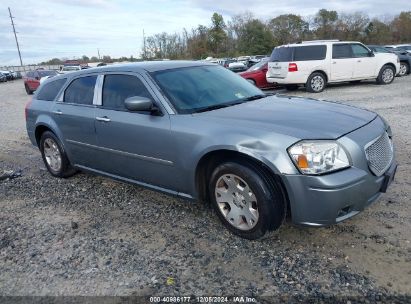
(312, 52)
(341, 51)
(198, 88)
(359, 51)
(282, 54)
(81, 91)
(380, 49)
(47, 73)
(117, 88)
(49, 90)
(29, 74)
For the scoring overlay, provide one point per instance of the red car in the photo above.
(256, 74)
(32, 79)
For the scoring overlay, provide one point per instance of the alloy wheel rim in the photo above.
(403, 69)
(52, 154)
(236, 202)
(387, 75)
(317, 83)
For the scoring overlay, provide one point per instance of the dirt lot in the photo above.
(89, 235)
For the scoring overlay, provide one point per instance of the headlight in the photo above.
(318, 156)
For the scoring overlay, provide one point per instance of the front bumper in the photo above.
(331, 198)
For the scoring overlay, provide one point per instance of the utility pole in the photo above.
(98, 52)
(15, 36)
(144, 46)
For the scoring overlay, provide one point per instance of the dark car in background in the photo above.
(404, 56)
(3, 77)
(32, 79)
(257, 74)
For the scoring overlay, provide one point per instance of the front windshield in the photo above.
(258, 65)
(47, 73)
(194, 89)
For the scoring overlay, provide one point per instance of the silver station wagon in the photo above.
(201, 132)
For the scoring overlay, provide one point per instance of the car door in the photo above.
(365, 62)
(342, 62)
(74, 114)
(134, 145)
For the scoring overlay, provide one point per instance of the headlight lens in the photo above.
(318, 157)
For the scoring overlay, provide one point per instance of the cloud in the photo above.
(61, 28)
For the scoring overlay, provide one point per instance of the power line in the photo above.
(15, 36)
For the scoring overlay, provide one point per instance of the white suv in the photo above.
(316, 63)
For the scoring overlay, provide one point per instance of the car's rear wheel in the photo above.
(246, 200)
(28, 91)
(386, 75)
(54, 156)
(404, 69)
(316, 83)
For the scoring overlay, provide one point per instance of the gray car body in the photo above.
(165, 152)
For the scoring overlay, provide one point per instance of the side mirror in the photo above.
(371, 54)
(138, 103)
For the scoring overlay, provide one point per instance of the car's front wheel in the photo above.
(386, 75)
(404, 69)
(316, 83)
(246, 200)
(54, 156)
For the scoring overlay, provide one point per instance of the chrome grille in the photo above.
(379, 153)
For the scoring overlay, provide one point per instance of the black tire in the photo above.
(316, 83)
(270, 202)
(28, 91)
(386, 69)
(65, 169)
(404, 69)
(291, 87)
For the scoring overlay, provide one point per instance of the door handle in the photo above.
(104, 119)
(334, 62)
(358, 60)
(58, 112)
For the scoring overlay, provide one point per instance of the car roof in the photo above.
(149, 66)
(317, 42)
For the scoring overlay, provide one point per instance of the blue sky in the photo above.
(63, 28)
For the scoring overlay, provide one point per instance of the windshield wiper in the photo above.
(254, 97)
(210, 108)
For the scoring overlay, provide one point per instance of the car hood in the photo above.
(298, 117)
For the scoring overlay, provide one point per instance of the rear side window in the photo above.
(311, 52)
(341, 51)
(117, 88)
(282, 54)
(81, 91)
(50, 90)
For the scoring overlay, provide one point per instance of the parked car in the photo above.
(3, 77)
(405, 58)
(8, 74)
(32, 79)
(237, 66)
(400, 47)
(17, 75)
(256, 74)
(313, 64)
(70, 68)
(200, 132)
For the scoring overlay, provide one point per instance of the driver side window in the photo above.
(359, 51)
(117, 88)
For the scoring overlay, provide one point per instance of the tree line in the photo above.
(245, 34)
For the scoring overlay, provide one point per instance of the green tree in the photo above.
(377, 32)
(324, 23)
(85, 59)
(255, 38)
(401, 27)
(217, 35)
(288, 28)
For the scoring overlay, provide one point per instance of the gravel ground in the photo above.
(89, 235)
